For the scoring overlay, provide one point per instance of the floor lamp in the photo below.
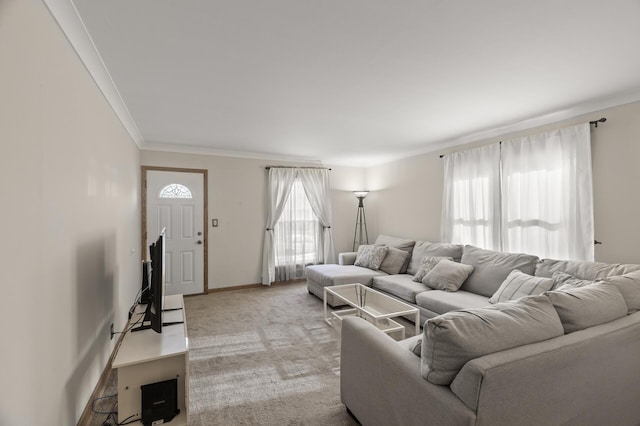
(360, 236)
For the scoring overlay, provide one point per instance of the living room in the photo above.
(75, 263)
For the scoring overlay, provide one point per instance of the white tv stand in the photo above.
(148, 357)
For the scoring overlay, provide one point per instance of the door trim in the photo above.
(205, 215)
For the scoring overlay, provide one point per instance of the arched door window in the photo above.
(175, 190)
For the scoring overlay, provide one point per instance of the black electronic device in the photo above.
(145, 287)
(153, 313)
(159, 402)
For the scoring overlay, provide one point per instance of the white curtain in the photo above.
(318, 190)
(547, 194)
(279, 185)
(532, 194)
(295, 236)
(471, 198)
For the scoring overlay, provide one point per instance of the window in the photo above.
(175, 190)
(533, 194)
(296, 235)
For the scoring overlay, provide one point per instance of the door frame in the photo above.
(205, 215)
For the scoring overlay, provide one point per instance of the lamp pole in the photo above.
(360, 235)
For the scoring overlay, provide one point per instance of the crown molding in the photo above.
(68, 19)
(200, 150)
(590, 107)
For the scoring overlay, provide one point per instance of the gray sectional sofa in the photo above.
(568, 354)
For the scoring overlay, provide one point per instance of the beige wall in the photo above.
(70, 220)
(408, 193)
(237, 198)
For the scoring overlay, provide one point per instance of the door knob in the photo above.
(199, 233)
(199, 242)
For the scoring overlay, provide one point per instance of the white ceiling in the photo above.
(356, 82)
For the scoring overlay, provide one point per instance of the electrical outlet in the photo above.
(112, 332)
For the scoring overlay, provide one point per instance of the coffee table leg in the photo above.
(324, 291)
(417, 323)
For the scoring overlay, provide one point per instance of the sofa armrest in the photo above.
(584, 378)
(347, 258)
(380, 382)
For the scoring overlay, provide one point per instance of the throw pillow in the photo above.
(452, 339)
(426, 264)
(629, 286)
(370, 256)
(413, 344)
(417, 348)
(584, 307)
(394, 260)
(518, 284)
(447, 275)
(562, 279)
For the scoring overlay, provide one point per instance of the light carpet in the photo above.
(263, 357)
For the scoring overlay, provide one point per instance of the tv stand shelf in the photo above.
(148, 357)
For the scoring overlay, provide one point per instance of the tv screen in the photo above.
(154, 297)
(145, 287)
(157, 282)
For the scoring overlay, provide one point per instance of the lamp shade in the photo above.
(360, 194)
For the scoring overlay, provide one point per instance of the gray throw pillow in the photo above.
(417, 347)
(427, 264)
(451, 340)
(629, 286)
(564, 280)
(518, 284)
(584, 307)
(447, 275)
(370, 256)
(394, 260)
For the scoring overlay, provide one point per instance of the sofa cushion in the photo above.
(440, 302)
(518, 284)
(629, 286)
(394, 260)
(582, 269)
(370, 256)
(403, 244)
(583, 307)
(425, 248)
(561, 279)
(347, 258)
(447, 275)
(400, 285)
(427, 264)
(451, 340)
(491, 268)
(330, 274)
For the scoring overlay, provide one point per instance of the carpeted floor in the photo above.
(259, 357)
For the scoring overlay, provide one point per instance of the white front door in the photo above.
(175, 201)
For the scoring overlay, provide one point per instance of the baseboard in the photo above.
(250, 286)
(98, 391)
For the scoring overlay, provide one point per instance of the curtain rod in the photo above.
(291, 167)
(595, 122)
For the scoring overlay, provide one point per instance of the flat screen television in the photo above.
(145, 290)
(155, 294)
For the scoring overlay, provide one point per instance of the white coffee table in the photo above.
(372, 305)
